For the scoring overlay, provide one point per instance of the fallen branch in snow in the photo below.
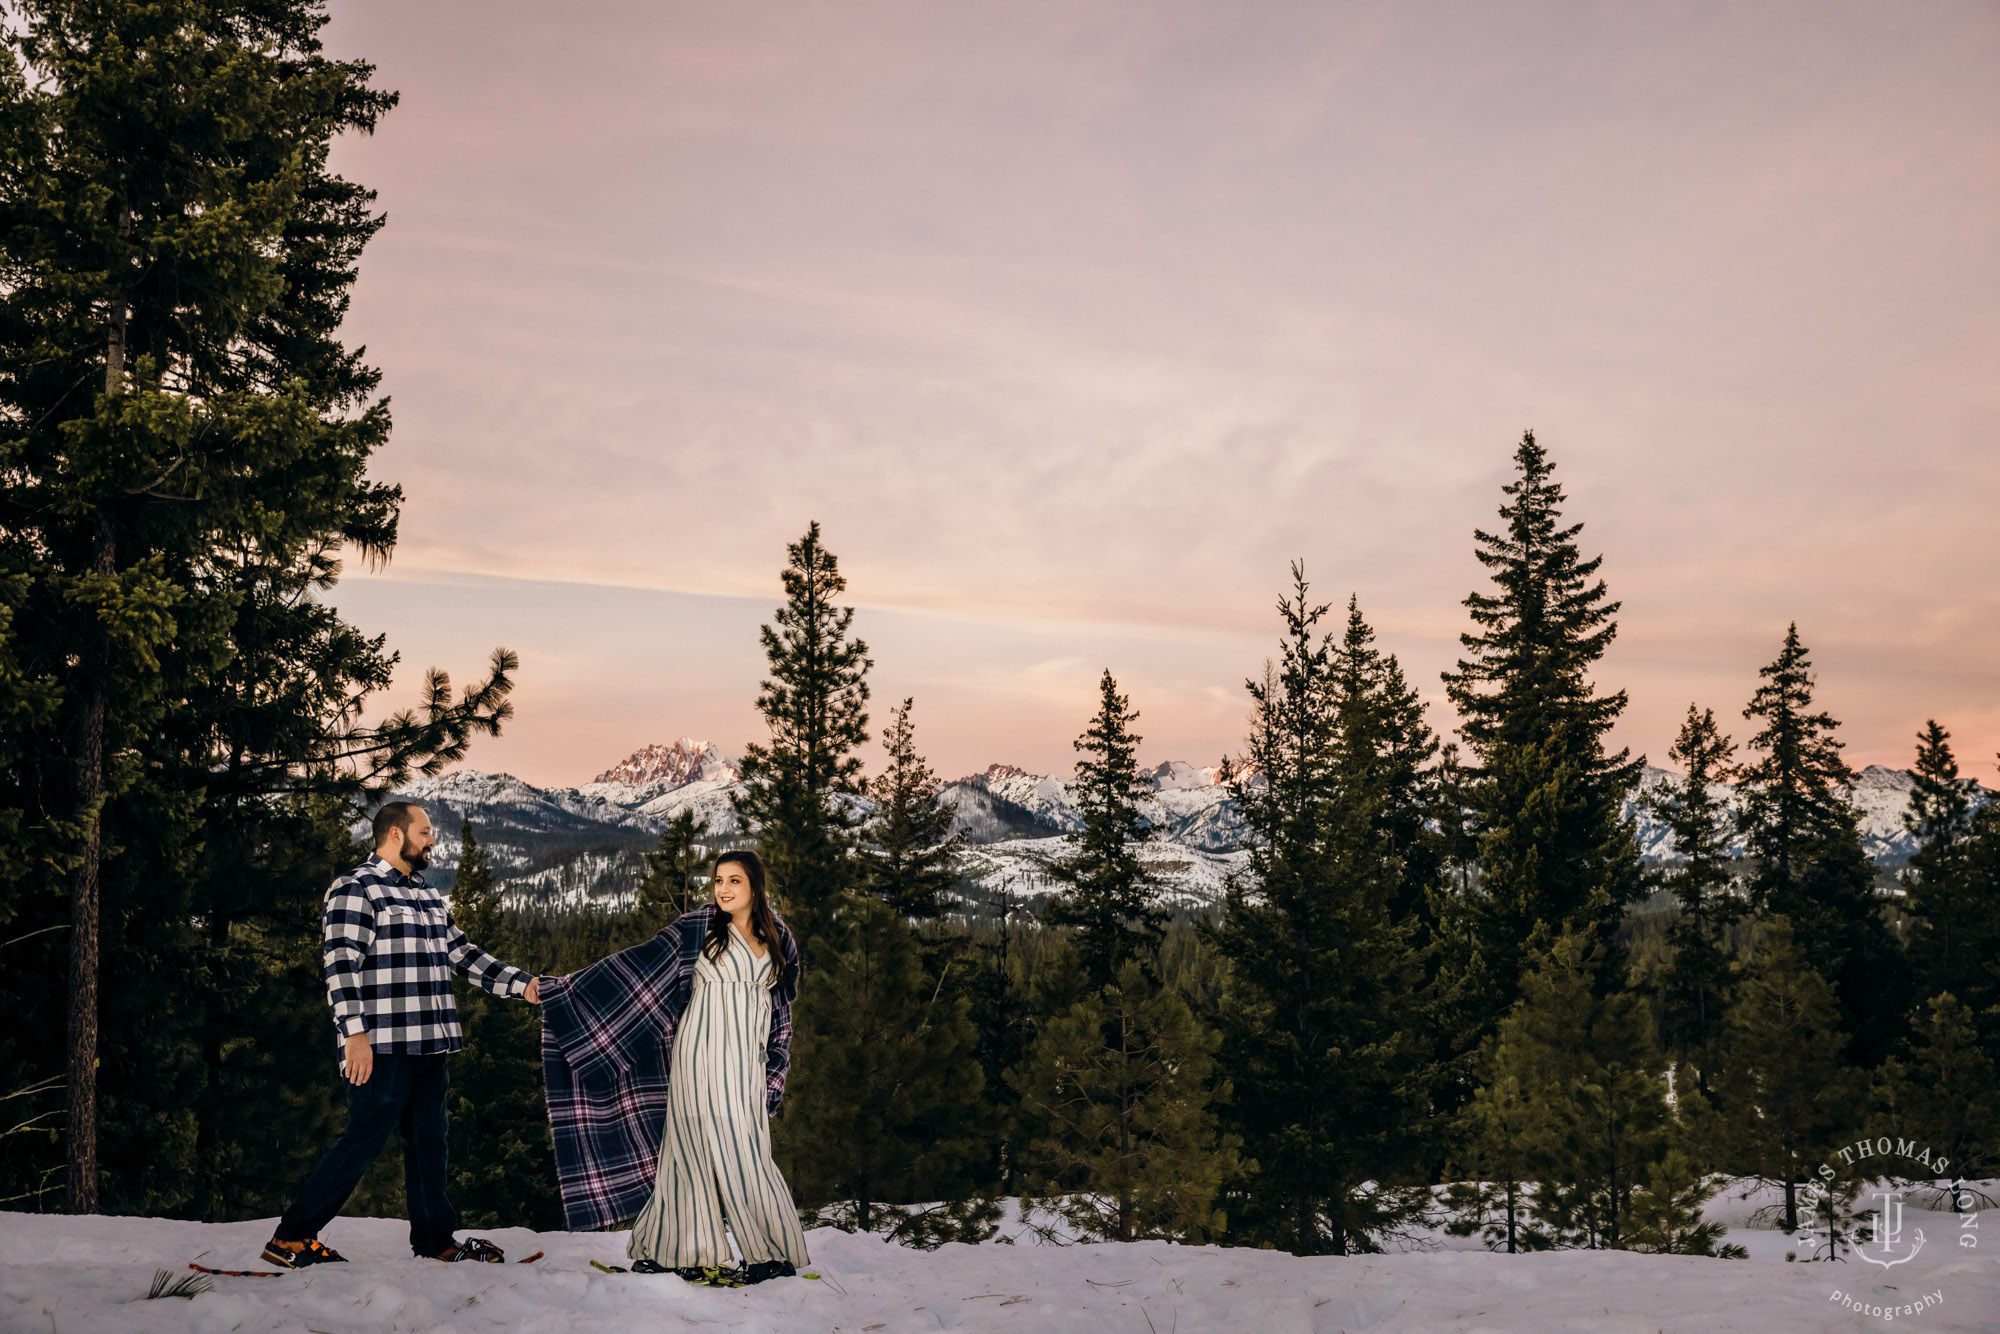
(187, 1285)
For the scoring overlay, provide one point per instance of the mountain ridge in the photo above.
(572, 846)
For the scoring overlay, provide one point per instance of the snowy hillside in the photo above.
(60, 1275)
(578, 846)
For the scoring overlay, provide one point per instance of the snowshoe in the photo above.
(301, 1254)
(769, 1269)
(472, 1248)
(712, 1276)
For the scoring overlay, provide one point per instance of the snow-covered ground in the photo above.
(61, 1275)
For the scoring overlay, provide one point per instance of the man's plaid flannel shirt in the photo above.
(390, 949)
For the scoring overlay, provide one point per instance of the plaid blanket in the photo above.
(607, 1047)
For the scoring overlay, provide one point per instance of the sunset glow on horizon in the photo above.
(1073, 325)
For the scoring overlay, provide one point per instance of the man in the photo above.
(390, 949)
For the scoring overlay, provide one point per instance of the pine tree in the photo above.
(1950, 1099)
(1330, 1076)
(1694, 810)
(502, 1161)
(1940, 813)
(1501, 1132)
(1810, 865)
(475, 898)
(1122, 1086)
(1388, 752)
(673, 882)
(910, 861)
(1460, 978)
(1555, 850)
(885, 1111)
(1970, 921)
(1588, 1061)
(1955, 920)
(797, 788)
(1787, 1096)
(188, 454)
(1666, 1216)
(998, 989)
(1109, 895)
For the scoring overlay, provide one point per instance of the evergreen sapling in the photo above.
(1107, 894)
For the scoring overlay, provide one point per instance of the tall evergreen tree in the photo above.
(1694, 810)
(1810, 866)
(886, 1117)
(184, 458)
(1954, 1100)
(674, 879)
(1787, 1096)
(1955, 916)
(910, 858)
(797, 787)
(1330, 1074)
(1108, 894)
(1970, 920)
(1940, 812)
(1122, 1086)
(998, 989)
(1388, 751)
(1555, 849)
(503, 1171)
(1460, 981)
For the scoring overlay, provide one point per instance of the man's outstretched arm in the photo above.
(485, 971)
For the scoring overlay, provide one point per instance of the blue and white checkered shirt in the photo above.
(390, 949)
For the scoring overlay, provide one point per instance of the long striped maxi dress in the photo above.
(715, 1157)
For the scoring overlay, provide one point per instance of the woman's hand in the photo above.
(533, 995)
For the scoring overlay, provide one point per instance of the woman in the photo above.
(681, 1125)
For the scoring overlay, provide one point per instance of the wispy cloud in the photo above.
(1076, 315)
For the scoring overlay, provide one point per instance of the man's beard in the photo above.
(417, 860)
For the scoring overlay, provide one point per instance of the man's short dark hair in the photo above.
(395, 815)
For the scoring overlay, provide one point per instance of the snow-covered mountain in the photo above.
(685, 761)
(1880, 796)
(571, 846)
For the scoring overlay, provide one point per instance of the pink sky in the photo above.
(1074, 323)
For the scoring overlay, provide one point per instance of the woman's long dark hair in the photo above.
(763, 922)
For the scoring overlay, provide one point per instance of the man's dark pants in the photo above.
(404, 1093)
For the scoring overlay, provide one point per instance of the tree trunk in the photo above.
(80, 1179)
(81, 1176)
(209, 1193)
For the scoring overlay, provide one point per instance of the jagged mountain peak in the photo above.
(995, 773)
(675, 765)
(1179, 775)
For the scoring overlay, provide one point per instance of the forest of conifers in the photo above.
(1446, 989)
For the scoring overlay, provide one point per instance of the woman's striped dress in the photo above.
(715, 1157)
